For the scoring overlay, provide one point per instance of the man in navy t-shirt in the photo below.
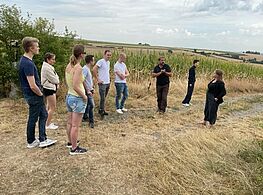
(31, 85)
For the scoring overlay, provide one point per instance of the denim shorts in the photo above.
(75, 104)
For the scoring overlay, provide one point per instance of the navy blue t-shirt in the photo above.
(27, 68)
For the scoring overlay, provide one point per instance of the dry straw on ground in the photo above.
(140, 152)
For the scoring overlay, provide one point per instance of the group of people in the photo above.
(80, 84)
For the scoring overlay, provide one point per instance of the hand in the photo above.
(85, 98)
(90, 93)
(163, 70)
(57, 86)
(100, 82)
(190, 85)
(216, 99)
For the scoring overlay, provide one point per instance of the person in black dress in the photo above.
(214, 97)
(191, 84)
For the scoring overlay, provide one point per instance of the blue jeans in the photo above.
(121, 89)
(37, 112)
(89, 109)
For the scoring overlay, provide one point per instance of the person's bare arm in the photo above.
(156, 74)
(169, 74)
(77, 82)
(95, 74)
(120, 75)
(127, 73)
(33, 86)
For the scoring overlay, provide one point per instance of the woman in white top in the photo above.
(50, 81)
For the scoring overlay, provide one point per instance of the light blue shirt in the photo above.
(88, 77)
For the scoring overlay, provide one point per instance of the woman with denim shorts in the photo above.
(76, 99)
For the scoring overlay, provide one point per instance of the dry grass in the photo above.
(140, 152)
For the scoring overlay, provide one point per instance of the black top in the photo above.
(218, 90)
(163, 79)
(191, 77)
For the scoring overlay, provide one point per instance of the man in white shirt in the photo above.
(88, 84)
(121, 73)
(101, 73)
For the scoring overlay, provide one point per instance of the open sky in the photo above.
(233, 25)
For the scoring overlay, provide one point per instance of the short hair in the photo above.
(106, 51)
(219, 73)
(89, 58)
(27, 42)
(195, 61)
(161, 58)
(48, 56)
(122, 55)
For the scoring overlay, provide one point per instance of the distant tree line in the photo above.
(253, 52)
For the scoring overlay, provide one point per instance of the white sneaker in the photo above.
(52, 126)
(47, 142)
(33, 144)
(124, 110)
(186, 105)
(119, 111)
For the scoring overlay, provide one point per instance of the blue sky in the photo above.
(233, 25)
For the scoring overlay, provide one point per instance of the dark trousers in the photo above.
(89, 109)
(162, 92)
(211, 107)
(37, 112)
(103, 91)
(189, 94)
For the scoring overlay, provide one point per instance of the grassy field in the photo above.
(142, 152)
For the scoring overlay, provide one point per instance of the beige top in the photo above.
(49, 77)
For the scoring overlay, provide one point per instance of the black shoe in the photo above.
(91, 125)
(69, 145)
(85, 119)
(78, 150)
(105, 113)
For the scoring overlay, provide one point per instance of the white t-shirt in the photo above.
(104, 71)
(120, 67)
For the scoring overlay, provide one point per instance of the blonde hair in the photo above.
(76, 53)
(27, 42)
(122, 55)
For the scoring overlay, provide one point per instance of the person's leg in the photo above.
(189, 94)
(32, 118)
(164, 97)
(42, 122)
(213, 116)
(76, 121)
(125, 95)
(207, 108)
(159, 96)
(106, 94)
(119, 90)
(91, 106)
(51, 102)
(69, 126)
(102, 92)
